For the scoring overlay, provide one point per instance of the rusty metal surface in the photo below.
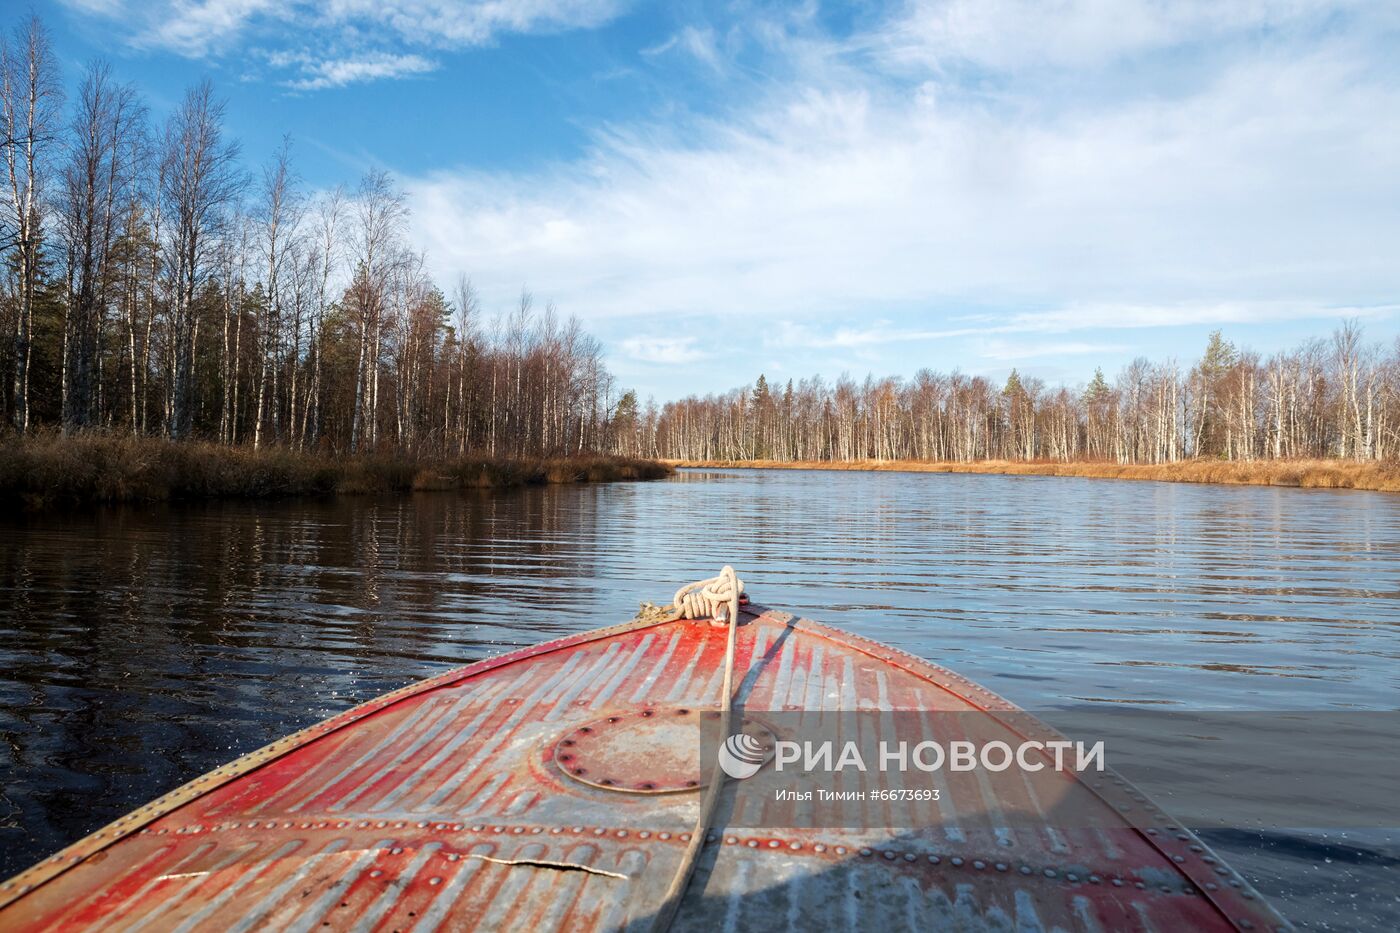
(445, 806)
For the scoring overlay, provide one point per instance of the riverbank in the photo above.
(48, 470)
(1309, 474)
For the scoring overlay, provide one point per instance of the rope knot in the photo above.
(703, 599)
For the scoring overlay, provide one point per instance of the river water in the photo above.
(140, 647)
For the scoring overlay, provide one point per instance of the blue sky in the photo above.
(721, 189)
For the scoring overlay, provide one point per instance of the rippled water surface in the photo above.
(140, 647)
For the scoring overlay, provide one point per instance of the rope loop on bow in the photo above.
(703, 599)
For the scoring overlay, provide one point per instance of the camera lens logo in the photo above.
(742, 755)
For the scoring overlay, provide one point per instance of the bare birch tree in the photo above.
(201, 181)
(380, 214)
(279, 216)
(98, 183)
(30, 103)
(327, 254)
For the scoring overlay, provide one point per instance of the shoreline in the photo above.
(45, 471)
(1367, 475)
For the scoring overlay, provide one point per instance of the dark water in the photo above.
(141, 647)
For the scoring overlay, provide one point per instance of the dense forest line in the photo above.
(1335, 398)
(154, 287)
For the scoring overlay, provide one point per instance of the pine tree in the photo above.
(1097, 391)
(624, 425)
(1220, 357)
(1013, 389)
(761, 395)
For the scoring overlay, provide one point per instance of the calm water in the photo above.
(142, 647)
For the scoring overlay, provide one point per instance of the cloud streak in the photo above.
(668, 351)
(339, 72)
(1025, 35)
(357, 40)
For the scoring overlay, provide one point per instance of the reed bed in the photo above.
(48, 470)
(1383, 476)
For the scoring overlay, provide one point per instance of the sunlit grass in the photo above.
(1320, 474)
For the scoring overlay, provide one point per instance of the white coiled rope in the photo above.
(704, 598)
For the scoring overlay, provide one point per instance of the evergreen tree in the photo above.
(1220, 357)
(1097, 391)
(761, 395)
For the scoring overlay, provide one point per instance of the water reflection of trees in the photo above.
(141, 647)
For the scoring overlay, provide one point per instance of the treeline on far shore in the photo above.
(1329, 398)
(47, 470)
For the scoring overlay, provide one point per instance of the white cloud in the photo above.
(664, 350)
(986, 332)
(372, 66)
(1004, 351)
(1125, 315)
(1014, 35)
(189, 27)
(357, 34)
(453, 23)
(790, 334)
(699, 43)
(1266, 181)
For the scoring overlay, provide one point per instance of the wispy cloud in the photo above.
(316, 75)
(190, 27)
(664, 350)
(699, 42)
(790, 334)
(1128, 315)
(986, 330)
(1021, 35)
(1004, 351)
(360, 40)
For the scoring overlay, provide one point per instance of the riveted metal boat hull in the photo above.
(444, 806)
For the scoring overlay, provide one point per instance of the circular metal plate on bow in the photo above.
(649, 751)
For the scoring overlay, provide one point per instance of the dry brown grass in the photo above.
(1312, 474)
(46, 470)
